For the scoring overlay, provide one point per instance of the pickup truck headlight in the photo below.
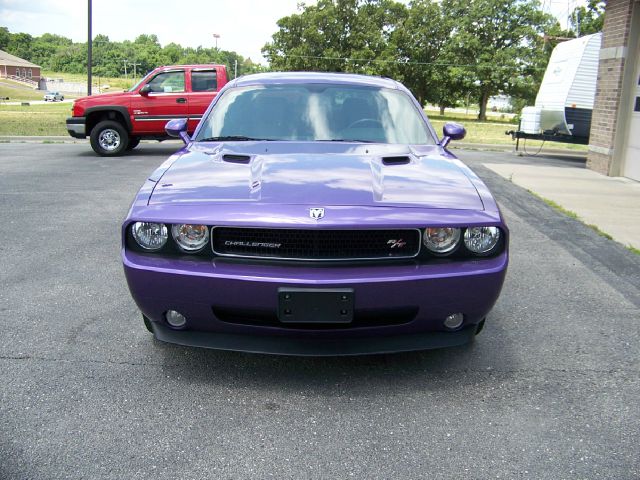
(481, 240)
(441, 240)
(150, 236)
(190, 238)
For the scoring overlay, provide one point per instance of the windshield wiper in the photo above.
(233, 138)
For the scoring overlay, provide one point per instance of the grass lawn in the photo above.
(19, 94)
(493, 133)
(45, 119)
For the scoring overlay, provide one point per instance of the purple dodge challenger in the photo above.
(314, 214)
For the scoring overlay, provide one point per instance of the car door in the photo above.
(162, 98)
(204, 87)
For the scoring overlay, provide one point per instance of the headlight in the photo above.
(481, 239)
(150, 236)
(190, 238)
(441, 239)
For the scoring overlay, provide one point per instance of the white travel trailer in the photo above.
(565, 100)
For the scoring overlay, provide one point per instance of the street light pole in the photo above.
(89, 53)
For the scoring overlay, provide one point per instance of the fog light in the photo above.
(454, 321)
(175, 319)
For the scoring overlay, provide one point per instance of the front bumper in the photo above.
(317, 347)
(218, 298)
(76, 126)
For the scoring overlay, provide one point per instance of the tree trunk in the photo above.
(442, 107)
(484, 99)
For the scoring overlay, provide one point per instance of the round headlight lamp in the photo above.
(481, 240)
(150, 236)
(190, 238)
(441, 240)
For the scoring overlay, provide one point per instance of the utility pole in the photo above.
(89, 53)
(125, 69)
(216, 36)
(134, 70)
(235, 69)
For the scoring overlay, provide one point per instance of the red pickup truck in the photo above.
(115, 122)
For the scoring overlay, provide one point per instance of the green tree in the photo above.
(5, 37)
(589, 19)
(336, 35)
(419, 46)
(44, 48)
(20, 45)
(500, 42)
(61, 54)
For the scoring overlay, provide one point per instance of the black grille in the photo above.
(299, 244)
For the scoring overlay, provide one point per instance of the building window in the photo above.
(24, 73)
(30, 73)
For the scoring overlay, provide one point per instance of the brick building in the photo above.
(614, 147)
(12, 66)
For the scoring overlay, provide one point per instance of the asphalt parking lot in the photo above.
(549, 390)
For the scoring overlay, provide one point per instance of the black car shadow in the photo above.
(363, 375)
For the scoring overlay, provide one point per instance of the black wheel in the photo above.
(133, 143)
(147, 323)
(109, 138)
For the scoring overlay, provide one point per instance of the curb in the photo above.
(40, 139)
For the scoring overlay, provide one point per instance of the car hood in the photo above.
(104, 97)
(317, 174)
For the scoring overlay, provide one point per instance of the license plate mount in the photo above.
(315, 305)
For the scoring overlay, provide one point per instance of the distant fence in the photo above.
(59, 85)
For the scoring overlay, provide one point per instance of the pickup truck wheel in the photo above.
(109, 138)
(133, 143)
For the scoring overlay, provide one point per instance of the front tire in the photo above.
(109, 139)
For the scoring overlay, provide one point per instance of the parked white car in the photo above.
(53, 97)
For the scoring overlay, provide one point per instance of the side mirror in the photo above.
(177, 128)
(144, 91)
(452, 131)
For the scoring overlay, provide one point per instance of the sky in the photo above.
(244, 26)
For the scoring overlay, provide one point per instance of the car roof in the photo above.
(272, 78)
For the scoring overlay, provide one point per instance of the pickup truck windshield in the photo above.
(316, 112)
(143, 79)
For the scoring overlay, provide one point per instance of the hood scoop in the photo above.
(398, 160)
(236, 158)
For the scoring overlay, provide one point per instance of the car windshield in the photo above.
(315, 112)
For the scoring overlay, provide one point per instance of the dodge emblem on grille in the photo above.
(316, 213)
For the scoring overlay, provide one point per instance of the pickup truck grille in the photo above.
(315, 244)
